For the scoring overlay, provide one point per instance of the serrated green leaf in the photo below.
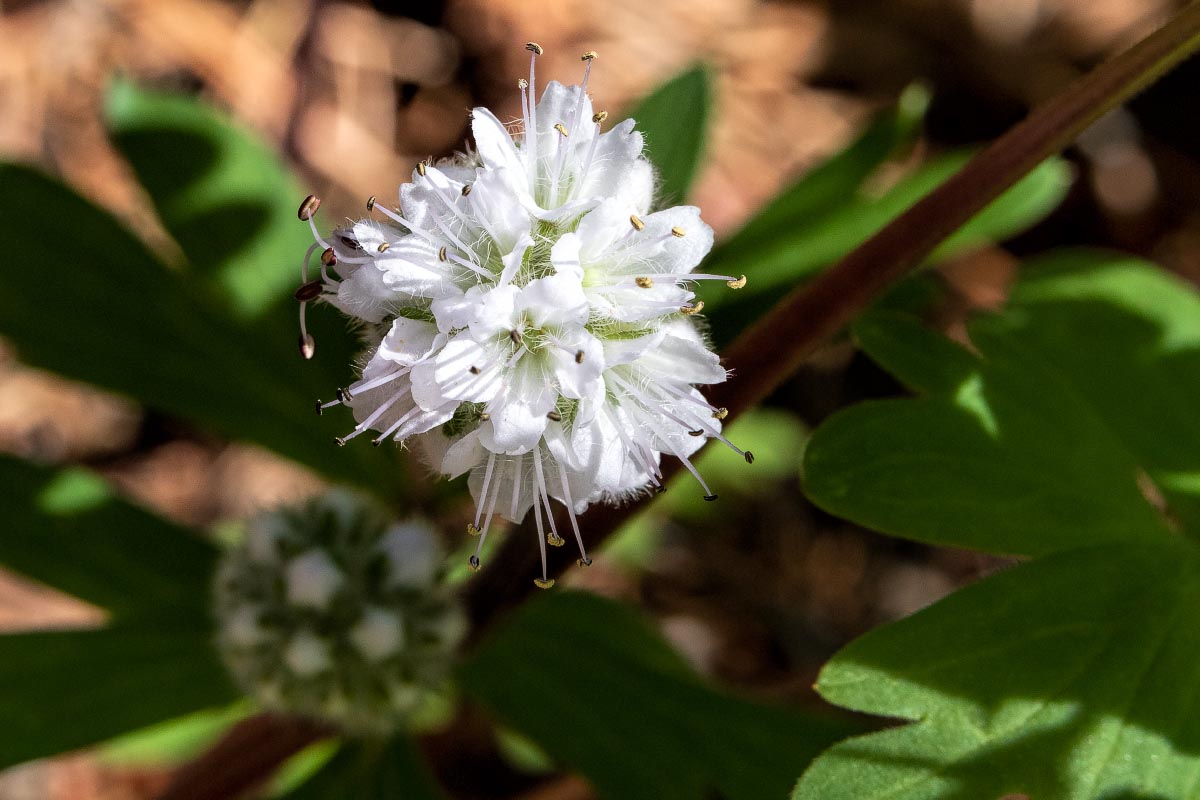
(222, 194)
(69, 689)
(587, 681)
(1074, 678)
(674, 121)
(1003, 455)
(61, 530)
(113, 315)
(372, 771)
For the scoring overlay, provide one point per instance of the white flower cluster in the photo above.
(531, 320)
(328, 611)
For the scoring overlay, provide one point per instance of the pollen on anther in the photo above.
(696, 309)
(339, 441)
(534, 48)
(371, 203)
(554, 540)
(678, 232)
(738, 284)
(644, 282)
(522, 83)
(421, 168)
(554, 416)
(599, 117)
(442, 253)
(583, 562)
(473, 530)
(308, 207)
(636, 222)
(383, 247)
(473, 563)
(558, 126)
(543, 584)
(721, 413)
(589, 55)
(484, 416)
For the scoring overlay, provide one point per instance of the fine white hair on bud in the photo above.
(531, 315)
(329, 611)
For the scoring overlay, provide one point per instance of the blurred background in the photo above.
(761, 590)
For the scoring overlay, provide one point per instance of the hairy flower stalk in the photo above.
(328, 611)
(530, 320)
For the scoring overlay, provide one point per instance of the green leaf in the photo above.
(64, 690)
(1065, 435)
(1073, 678)
(587, 681)
(372, 771)
(221, 193)
(797, 251)
(113, 315)
(674, 120)
(64, 528)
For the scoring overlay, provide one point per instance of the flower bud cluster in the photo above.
(329, 611)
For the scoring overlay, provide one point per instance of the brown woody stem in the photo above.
(764, 356)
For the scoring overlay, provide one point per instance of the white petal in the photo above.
(564, 255)
(554, 300)
(464, 454)
(464, 370)
(681, 360)
(408, 341)
(578, 376)
(518, 415)
(494, 143)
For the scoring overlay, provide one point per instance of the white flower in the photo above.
(530, 319)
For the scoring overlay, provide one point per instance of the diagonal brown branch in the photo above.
(765, 355)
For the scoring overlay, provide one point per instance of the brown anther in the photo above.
(320, 407)
(696, 309)
(599, 117)
(678, 232)
(383, 247)
(442, 253)
(328, 257)
(589, 55)
(308, 291)
(710, 497)
(473, 563)
(466, 190)
(543, 583)
(558, 126)
(739, 283)
(339, 441)
(697, 432)
(473, 370)
(554, 416)
(421, 168)
(472, 530)
(554, 540)
(308, 207)
(350, 242)
(721, 413)
(344, 396)
(578, 356)
(534, 48)
(515, 336)
(308, 346)
(644, 282)
(749, 457)
(636, 222)
(484, 416)
(583, 562)
(371, 203)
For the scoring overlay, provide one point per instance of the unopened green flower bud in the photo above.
(330, 611)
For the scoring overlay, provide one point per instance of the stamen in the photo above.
(544, 583)
(308, 291)
(397, 425)
(442, 253)
(578, 356)
(721, 413)
(589, 55)
(473, 370)
(534, 48)
(748, 456)
(678, 232)
(515, 336)
(516, 493)
(308, 345)
(371, 203)
(363, 386)
(329, 257)
(466, 190)
(383, 247)
(599, 117)
(473, 563)
(562, 475)
(308, 207)
(421, 168)
(487, 482)
(472, 530)
(738, 284)
(694, 309)
(636, 222)
(322, 406)
(552, 539)
(554, 416)
(643, 282)
(558, 126)
(522, 83)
